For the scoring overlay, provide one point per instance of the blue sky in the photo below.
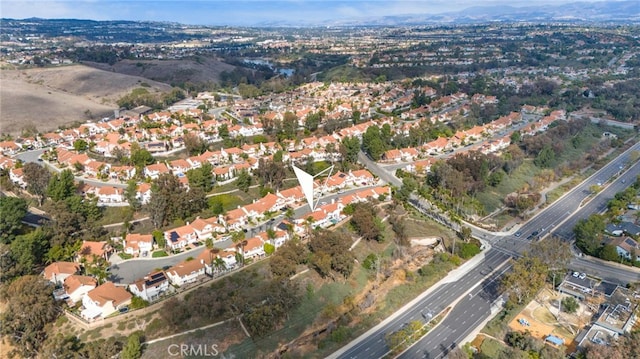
(222, 12)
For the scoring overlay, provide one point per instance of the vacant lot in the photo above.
(199, 70)
(51, 97)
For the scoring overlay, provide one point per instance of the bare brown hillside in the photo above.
(171, 71)
(50, 97)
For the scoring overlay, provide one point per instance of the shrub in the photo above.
(269, 248)
(370, 262)
(570, 304)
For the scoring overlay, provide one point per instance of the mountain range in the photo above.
(600, 12)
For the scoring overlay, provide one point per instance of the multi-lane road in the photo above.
(472, 294)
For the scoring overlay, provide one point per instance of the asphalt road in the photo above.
(34, 156)
(374, 346)
(130, 270)
(558, 219)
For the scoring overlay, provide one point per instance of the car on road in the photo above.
(518, 234)
(535, 233)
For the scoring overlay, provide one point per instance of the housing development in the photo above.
(475, 190)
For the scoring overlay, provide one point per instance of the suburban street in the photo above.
(34, 156)
(557, 219)
(129, 271)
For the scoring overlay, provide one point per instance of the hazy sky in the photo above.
(221, 12)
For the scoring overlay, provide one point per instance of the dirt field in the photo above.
(171, 71)
(48, 98)
(541, 316)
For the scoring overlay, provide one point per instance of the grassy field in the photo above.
(316, 303)
(491, 348)
(50, 97)
(492, 198)
(214, 339)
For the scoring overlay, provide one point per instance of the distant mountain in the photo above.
(604, 11)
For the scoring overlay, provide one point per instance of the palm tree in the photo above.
(271, 235)
(241, 245)
(219, 265)
(213, 255)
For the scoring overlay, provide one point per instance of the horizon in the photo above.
(248, 13)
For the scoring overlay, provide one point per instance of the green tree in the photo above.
(30, 309)
(284, 262)
(201, 177)
(170, 200)
(609, 252)
(140, 157)
(545, 158)
(194, 144)
(215, 205)
(588, 233)
(133, 349)
(516, 136)
(349, 148)
(80, 145)
(61, 186)
(158, 237)
(289, 125)
(373, 142)
(12, 210)
(29, 250)
(526, 278)
(131, 194)
(570, 304)
(244, 180)
(365, 222)
(37, 179)
(465, 233)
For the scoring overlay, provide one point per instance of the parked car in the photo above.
(583, 276)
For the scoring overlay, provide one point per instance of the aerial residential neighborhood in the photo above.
(454, 183)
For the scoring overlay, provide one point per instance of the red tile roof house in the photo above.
(180, 237)
(76, 286)
(136, 244)
(254, 248)
(57, 272)
(151, 287)
(361, 177)
(277, 241)
(392, 156)
(291, 196)
(205, 228)
(179, 166)
(318, 218)
(155, 170)
(90, 249)
(234, 220)
(9, 147)
(212, 264)
(110, 194)
(143, 194)
(17, 176)
(336, 182)
(104, 300)
(186, 272)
